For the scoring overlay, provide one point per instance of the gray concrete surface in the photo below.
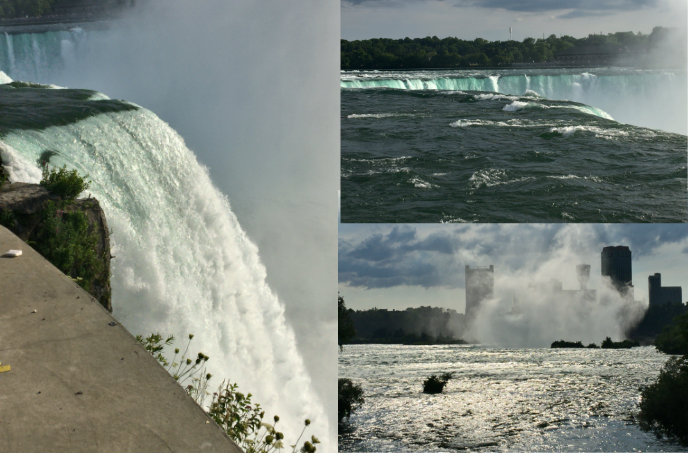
(76, 383)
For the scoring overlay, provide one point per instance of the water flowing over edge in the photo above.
(183, 264)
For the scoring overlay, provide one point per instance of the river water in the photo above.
(499, 399)
(513, 146)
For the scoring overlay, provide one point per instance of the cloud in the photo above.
(575, 8)
(431, 256)
(535, 6)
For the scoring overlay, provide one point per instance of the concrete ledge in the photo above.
(78, 384)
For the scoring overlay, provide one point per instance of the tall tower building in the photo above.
(583, 272)
(660, 295)
(616, 264)
(479, 286)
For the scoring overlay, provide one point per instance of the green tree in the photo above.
(346, 331)
(674, 337)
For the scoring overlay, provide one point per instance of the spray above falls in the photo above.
(182, 262)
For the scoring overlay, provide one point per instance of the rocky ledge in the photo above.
(73, 235)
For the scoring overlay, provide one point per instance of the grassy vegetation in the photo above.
(65, 241)
(232, 410)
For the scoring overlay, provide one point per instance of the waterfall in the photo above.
(182, 262)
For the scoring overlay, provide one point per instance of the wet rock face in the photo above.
(4, 176)
(23, 198)
(28, 209)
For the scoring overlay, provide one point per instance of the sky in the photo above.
(491, 19)
(412, 265)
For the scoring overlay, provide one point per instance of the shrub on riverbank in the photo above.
(435, 384)
(664, 404)
(349, 398)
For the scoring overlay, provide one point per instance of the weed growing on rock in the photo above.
(232, 410)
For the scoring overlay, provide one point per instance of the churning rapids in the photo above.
(499, 399)
(558, 145)
(182, 262)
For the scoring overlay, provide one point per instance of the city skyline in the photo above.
(400, 266)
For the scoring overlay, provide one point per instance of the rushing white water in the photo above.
(182, 262)
(654, 99)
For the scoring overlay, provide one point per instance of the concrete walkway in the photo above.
(78, 384)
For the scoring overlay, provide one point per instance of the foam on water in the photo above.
(183, 263)
(518, 105)
(611, 134)
(4, 78)
(640, 97)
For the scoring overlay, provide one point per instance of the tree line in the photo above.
(10, 9)
(432, 52)
(413, 325)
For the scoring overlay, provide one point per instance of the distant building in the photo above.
(583, 273)
(479, 287)
(662, 295)
(555, 288)
(616, 264)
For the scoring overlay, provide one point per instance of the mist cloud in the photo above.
(429, 256)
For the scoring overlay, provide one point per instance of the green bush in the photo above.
(230, 409)
(435, 384)
(64, 183)
(350, 398)
(664, 404)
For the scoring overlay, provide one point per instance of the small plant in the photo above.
(232, 410)
(350, 398)
(183, 370)
(435, 384)
(64, 183)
